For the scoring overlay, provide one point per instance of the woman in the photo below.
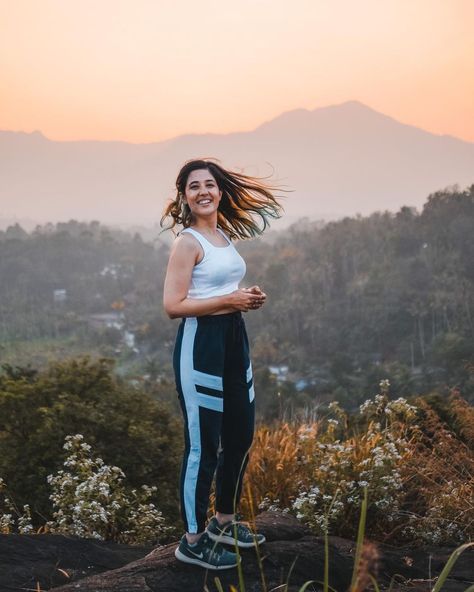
(211, 358)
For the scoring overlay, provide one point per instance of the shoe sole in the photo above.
(182, 557)
(223, 538)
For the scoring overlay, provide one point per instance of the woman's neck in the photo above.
(206, 226)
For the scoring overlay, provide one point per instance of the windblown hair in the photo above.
(245, 201)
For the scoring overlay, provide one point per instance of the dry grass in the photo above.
(439, 474)
(277, 466)
(434, 501)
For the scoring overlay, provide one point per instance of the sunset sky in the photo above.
(149, 70)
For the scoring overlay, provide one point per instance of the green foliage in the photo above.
(349, 302)
(126, 427)
(359, 295)
(96, 266)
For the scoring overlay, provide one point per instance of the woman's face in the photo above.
(202, 193)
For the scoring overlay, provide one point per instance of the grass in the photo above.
(420, 469)
(361, 576)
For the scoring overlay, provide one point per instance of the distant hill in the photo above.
(339, 160)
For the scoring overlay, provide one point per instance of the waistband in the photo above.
(219, 318)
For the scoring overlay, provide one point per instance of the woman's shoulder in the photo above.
(186, 241)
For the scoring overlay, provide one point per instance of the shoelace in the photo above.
(242, 527)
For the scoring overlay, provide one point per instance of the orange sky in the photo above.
(148, 70)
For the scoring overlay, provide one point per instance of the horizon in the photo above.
(41, 133)
(277, 225)
(147, 72)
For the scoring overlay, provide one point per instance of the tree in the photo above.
(125, 426)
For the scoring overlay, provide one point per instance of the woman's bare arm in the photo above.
(183, 258)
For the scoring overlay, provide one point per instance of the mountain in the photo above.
(338, 160)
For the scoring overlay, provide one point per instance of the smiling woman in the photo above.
(242, 199)
(202, 191)
(211, 358)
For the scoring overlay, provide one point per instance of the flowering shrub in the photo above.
(90, 500)
(342, 468)
(418, 471)
(11, 519)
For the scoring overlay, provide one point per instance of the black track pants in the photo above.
(215, 387)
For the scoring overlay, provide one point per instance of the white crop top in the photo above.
(219, 271)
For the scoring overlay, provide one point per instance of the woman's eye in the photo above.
(208, 186)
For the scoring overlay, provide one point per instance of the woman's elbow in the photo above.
(170, 309)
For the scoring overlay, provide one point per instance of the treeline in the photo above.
(349, 303)
(389, 295)
(101, 270)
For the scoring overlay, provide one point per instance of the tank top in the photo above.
(219, 271)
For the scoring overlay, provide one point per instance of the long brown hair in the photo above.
(244, 200)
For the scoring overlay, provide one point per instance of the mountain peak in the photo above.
(299, 119)
(353, 107)
(353, 103)
(37, 134)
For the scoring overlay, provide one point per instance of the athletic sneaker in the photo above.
(205, 553)
(231, 531)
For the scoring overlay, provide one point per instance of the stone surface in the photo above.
(290, 554)
(26, 560)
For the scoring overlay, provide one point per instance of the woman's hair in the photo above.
(244, 199)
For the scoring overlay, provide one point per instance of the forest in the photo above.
(362, 356)
(350, 302)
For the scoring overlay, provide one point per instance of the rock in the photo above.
(281, 527)
(26, 560)
(291, 553)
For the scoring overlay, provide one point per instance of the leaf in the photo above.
(449, 566)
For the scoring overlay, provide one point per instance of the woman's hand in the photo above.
(245, 300)
(257, 302)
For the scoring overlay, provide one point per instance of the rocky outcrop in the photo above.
(50, 560)
(291, 554)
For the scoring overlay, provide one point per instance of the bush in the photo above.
(410, 461)
(125, 426)
(90, 500)
(340, 468)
